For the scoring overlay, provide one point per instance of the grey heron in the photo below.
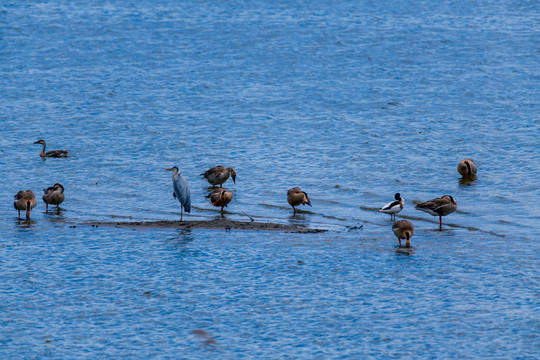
(181, 190)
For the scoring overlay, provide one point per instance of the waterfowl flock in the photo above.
(220, 197)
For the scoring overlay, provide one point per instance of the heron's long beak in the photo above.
(37, 142)
(169, 169)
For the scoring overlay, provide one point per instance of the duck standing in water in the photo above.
(219, 174)
(220, 197)
(403, 229)
(25, 200)
(53, 195)
(52, 153)
(467, 168)
(439, 207)
(181, 190)
(296, 197)
(393, 207)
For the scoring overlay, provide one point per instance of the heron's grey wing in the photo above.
(181, 189)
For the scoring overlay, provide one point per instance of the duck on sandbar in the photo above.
(220, 197)
(296, 197)
(219, 174)
(439, 207)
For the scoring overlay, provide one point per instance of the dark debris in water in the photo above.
(205, 336)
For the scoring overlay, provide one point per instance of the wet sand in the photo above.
(210, 224)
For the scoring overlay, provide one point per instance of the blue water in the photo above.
(352, 101)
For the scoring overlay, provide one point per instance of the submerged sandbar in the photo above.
(223, 224)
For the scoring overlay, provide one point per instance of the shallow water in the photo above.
(352, 102)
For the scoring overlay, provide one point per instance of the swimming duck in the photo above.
(25, 200)
(439, 207)
(393, 207)
(467, 168)
(296, 196)
(52, 153)
(403, 229)
(220, 197)
(219, 174)
(53, 195)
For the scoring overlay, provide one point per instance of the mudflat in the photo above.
(210, 224)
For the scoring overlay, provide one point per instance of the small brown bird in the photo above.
(220, 197)
(467, 168)
(52, 153)
(403, 229)
(439, 207)
(219, 174)
(25, 200)
(53, 195)
(296, 196)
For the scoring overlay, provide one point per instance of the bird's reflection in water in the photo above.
(220, 216)
(299, 219)
(56, 214)
(404, 250)
(180, 239)
(467, 181)
(25, 223)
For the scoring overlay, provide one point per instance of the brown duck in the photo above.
(52, 153)
(467, 168)
(220, 197)
(403, 229)
(219, 174)
(296, 196)
(25, 200)
(53, 195)
(439, 207)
